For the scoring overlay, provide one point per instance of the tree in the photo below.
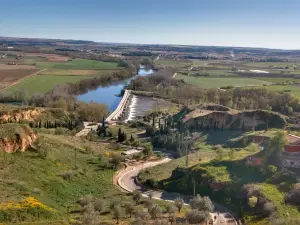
(179, 203)
(89, 216)
(202, 203)
(99, 205)
(117, 212)
(116, 160)
(150, 195)
(131, 139)
(137, 196)
(154, 211)
(252, 201)
(171, 209)
(197, 217)
(276, 143)
(129, 208)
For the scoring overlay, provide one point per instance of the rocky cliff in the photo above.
(224, 118)
(16, 137)
(17, 115)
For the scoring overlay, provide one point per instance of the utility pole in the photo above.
(194, 186)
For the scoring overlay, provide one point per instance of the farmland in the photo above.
(79, 64)
(54, 69)
(43, 83)
(220, 82)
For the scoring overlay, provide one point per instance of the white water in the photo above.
(139, 106)
(132, 108)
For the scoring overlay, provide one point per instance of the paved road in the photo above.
(126, 179)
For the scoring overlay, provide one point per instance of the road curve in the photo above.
(126, 179)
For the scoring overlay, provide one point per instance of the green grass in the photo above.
(294, 90)
(272, 193)
(278, 80)
(43, 83)
(21, 173)
(79, 64)
(220, 82)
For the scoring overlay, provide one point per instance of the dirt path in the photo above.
(19, 81)
(126, 179)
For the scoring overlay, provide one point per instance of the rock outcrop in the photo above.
(16, 137)
(17, 115)
(210, 117)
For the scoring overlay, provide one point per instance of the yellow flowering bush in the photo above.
(29, 208)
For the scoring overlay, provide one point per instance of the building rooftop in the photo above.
(293, 139)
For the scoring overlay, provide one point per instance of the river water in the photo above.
(107, 96)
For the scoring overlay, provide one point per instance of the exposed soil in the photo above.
(8, 77)
(15, 67)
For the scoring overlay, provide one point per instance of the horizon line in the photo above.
(134, 43)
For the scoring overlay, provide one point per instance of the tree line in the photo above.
(237, 98)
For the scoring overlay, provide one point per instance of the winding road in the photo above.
(126, 179)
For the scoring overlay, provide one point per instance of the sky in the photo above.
(245, 23)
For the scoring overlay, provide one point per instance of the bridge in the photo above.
(120, 110)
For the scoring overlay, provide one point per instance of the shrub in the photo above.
(268, 208)
(293, 197)
(197, 217)
(252, 201)
(60, 131)
(99, 205)
(85, 200)
(67, 175)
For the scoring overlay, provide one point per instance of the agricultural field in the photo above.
(289, 89)
(221, 82)
(173, 63)
(43, 83)
(79, 64)
(54, 69)
(11, 76)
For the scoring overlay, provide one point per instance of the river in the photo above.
(107, 96)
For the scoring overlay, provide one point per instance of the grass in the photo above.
(290, 89)
(23, 172)
(220, 82)
(211, 73)
(43, 83)
(61, 72)
(79, 64)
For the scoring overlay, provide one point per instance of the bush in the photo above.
(293, 197)
(99, 205)
(85, 200)
(268, 208)
(67, 175)
(197, 217)
(60, 131)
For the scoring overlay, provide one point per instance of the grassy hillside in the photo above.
(49, 175)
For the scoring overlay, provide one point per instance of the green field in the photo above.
(43, 83)
(220, 82)
(289, 89)
(79, 64)
(210, 73)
